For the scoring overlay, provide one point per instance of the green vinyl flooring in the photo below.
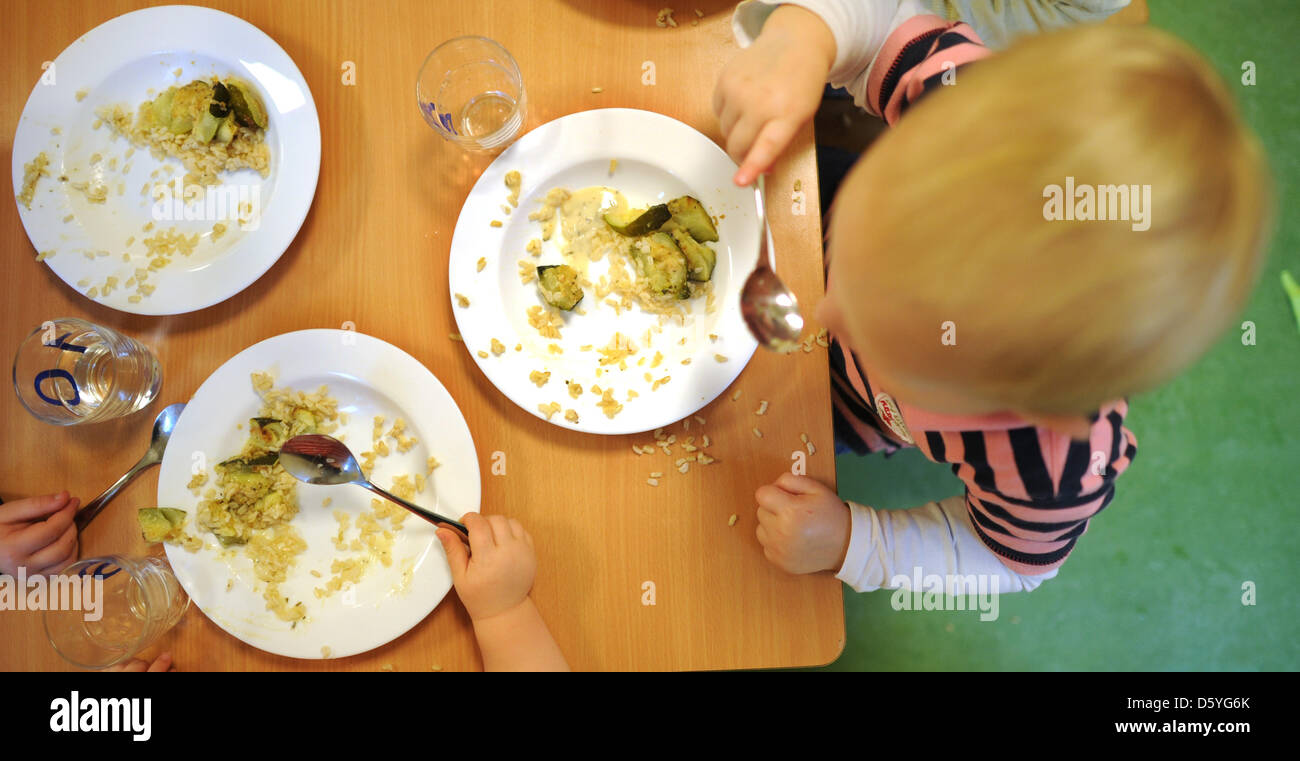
(1211, 501)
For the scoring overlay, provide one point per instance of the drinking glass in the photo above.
(470, 91)
(126, 604)
(69, 371)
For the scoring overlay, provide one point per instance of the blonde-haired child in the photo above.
(1043, 233)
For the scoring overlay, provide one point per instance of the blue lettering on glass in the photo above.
(61, 344)
(56, 374)
(98, 571)
(443, 117)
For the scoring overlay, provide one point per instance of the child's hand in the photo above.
(38, 533)
(772, 87)
(497, 572)
(160, 664)
(802, 525)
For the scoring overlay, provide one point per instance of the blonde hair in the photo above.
(1055, 317)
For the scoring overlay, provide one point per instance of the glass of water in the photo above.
(70, 371)
(111, 608)
(470, 91)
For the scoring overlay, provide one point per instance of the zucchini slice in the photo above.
(159, 524)
(699, 256)
(162, 107)
(246, 464)
(247, 105)
(690, 214)
(635, 223)
(663, 264)
(153, 524)
(188, 103)
(559, 286)
(268, 431)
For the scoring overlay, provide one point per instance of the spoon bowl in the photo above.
(325, 461)
(769, 308)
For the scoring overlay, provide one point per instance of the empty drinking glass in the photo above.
(470, 91)
(124, 605)
(70, 371)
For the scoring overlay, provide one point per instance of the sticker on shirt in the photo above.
(887, 409)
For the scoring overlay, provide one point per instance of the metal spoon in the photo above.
(162, 431)
(768, 306)
(324, 460)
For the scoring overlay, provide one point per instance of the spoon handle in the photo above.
(92, 508)
(765, 258)
(423, 512)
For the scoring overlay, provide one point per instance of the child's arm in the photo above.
(805, 527)
(38, 533)
(883, 52)
(493, 580)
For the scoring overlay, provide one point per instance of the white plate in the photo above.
(659, 158)
(117, 62)
(368, 377)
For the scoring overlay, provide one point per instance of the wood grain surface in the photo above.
(373, 251)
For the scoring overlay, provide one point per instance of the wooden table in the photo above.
(374, 249)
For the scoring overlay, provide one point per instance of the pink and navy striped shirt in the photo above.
(1030, 492)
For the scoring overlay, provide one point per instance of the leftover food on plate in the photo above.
(656, 256)
(211, 126)
(251, 506)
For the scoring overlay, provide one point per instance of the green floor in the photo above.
(1211, 501)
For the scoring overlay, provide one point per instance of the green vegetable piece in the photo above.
(226, 132)
(174, 516)
(635, 222)
(207, 127)
(559, 286)
(248, 107)
(690, 214)
(154, 524)
(662, 263)
(268, 431)
(699, 256)
(162, 107)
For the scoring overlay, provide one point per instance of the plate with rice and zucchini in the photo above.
(166, 159)
(596, 268)
(302, 570)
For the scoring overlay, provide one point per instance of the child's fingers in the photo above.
(56, 552)
(162, 663)
(801, 484)
(771, 141)
(500, 528)
(44, 533)
(728, 119)
(32, 508)
(457, 557)
(133, 665)
(480, 532)
(517, 529)
(741, 137)
(773, 498)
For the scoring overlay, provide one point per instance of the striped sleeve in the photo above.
(1030, 493)
(917, 58)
